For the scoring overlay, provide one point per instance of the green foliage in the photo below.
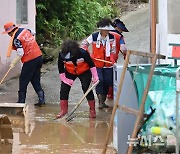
(83, 17)
(41, 7)
(57, 20)
(54, 28)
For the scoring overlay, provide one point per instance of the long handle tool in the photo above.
(69, 116)
(105, 61)
(5, 76)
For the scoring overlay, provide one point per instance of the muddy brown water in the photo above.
(37, 132)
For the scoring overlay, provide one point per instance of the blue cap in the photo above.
(118, 23)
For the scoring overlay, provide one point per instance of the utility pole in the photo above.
(153, 26)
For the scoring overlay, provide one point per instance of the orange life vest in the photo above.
(100, 53)
(80, 67)
(118, 46)
(30, 46)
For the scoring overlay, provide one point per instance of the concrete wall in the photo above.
(161, 28)
(7, 14)
(164, 32)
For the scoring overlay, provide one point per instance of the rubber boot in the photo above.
(41, 97)
(102, 99)
(92, 111)
(110, 93)
(21, 97)
(100, 102)
(63, 108)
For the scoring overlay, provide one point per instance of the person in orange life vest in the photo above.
(120, 44)
(103, 48)
(23, 41)
(75, 62)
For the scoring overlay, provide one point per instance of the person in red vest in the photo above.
(120, 45)
(75, 62)
(28, 51)
(119, 29)
(103, 54)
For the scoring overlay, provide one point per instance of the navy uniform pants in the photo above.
(31, 73)
(106, 79)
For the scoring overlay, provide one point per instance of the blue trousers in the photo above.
(31, 73)
(106, 80)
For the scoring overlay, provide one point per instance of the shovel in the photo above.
(69, 116)
(5, 76)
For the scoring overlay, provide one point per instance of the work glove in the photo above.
(15, 61)
(66, 80)
(112, 58)
(95, 77)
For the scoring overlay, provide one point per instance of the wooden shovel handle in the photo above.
(103, 60)
(68, 117)
(5, 76)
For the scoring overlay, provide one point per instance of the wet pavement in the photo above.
(38, 132)
(45, 135)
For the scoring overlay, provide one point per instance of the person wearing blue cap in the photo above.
(119, 27)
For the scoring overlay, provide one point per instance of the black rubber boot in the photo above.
(41, 97)
(102, 99)
(21, 97)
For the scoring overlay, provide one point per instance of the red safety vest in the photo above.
(76, 70)
(118, 46)
(100, 53)
(30, 46)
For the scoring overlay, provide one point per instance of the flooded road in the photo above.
(37, 132)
